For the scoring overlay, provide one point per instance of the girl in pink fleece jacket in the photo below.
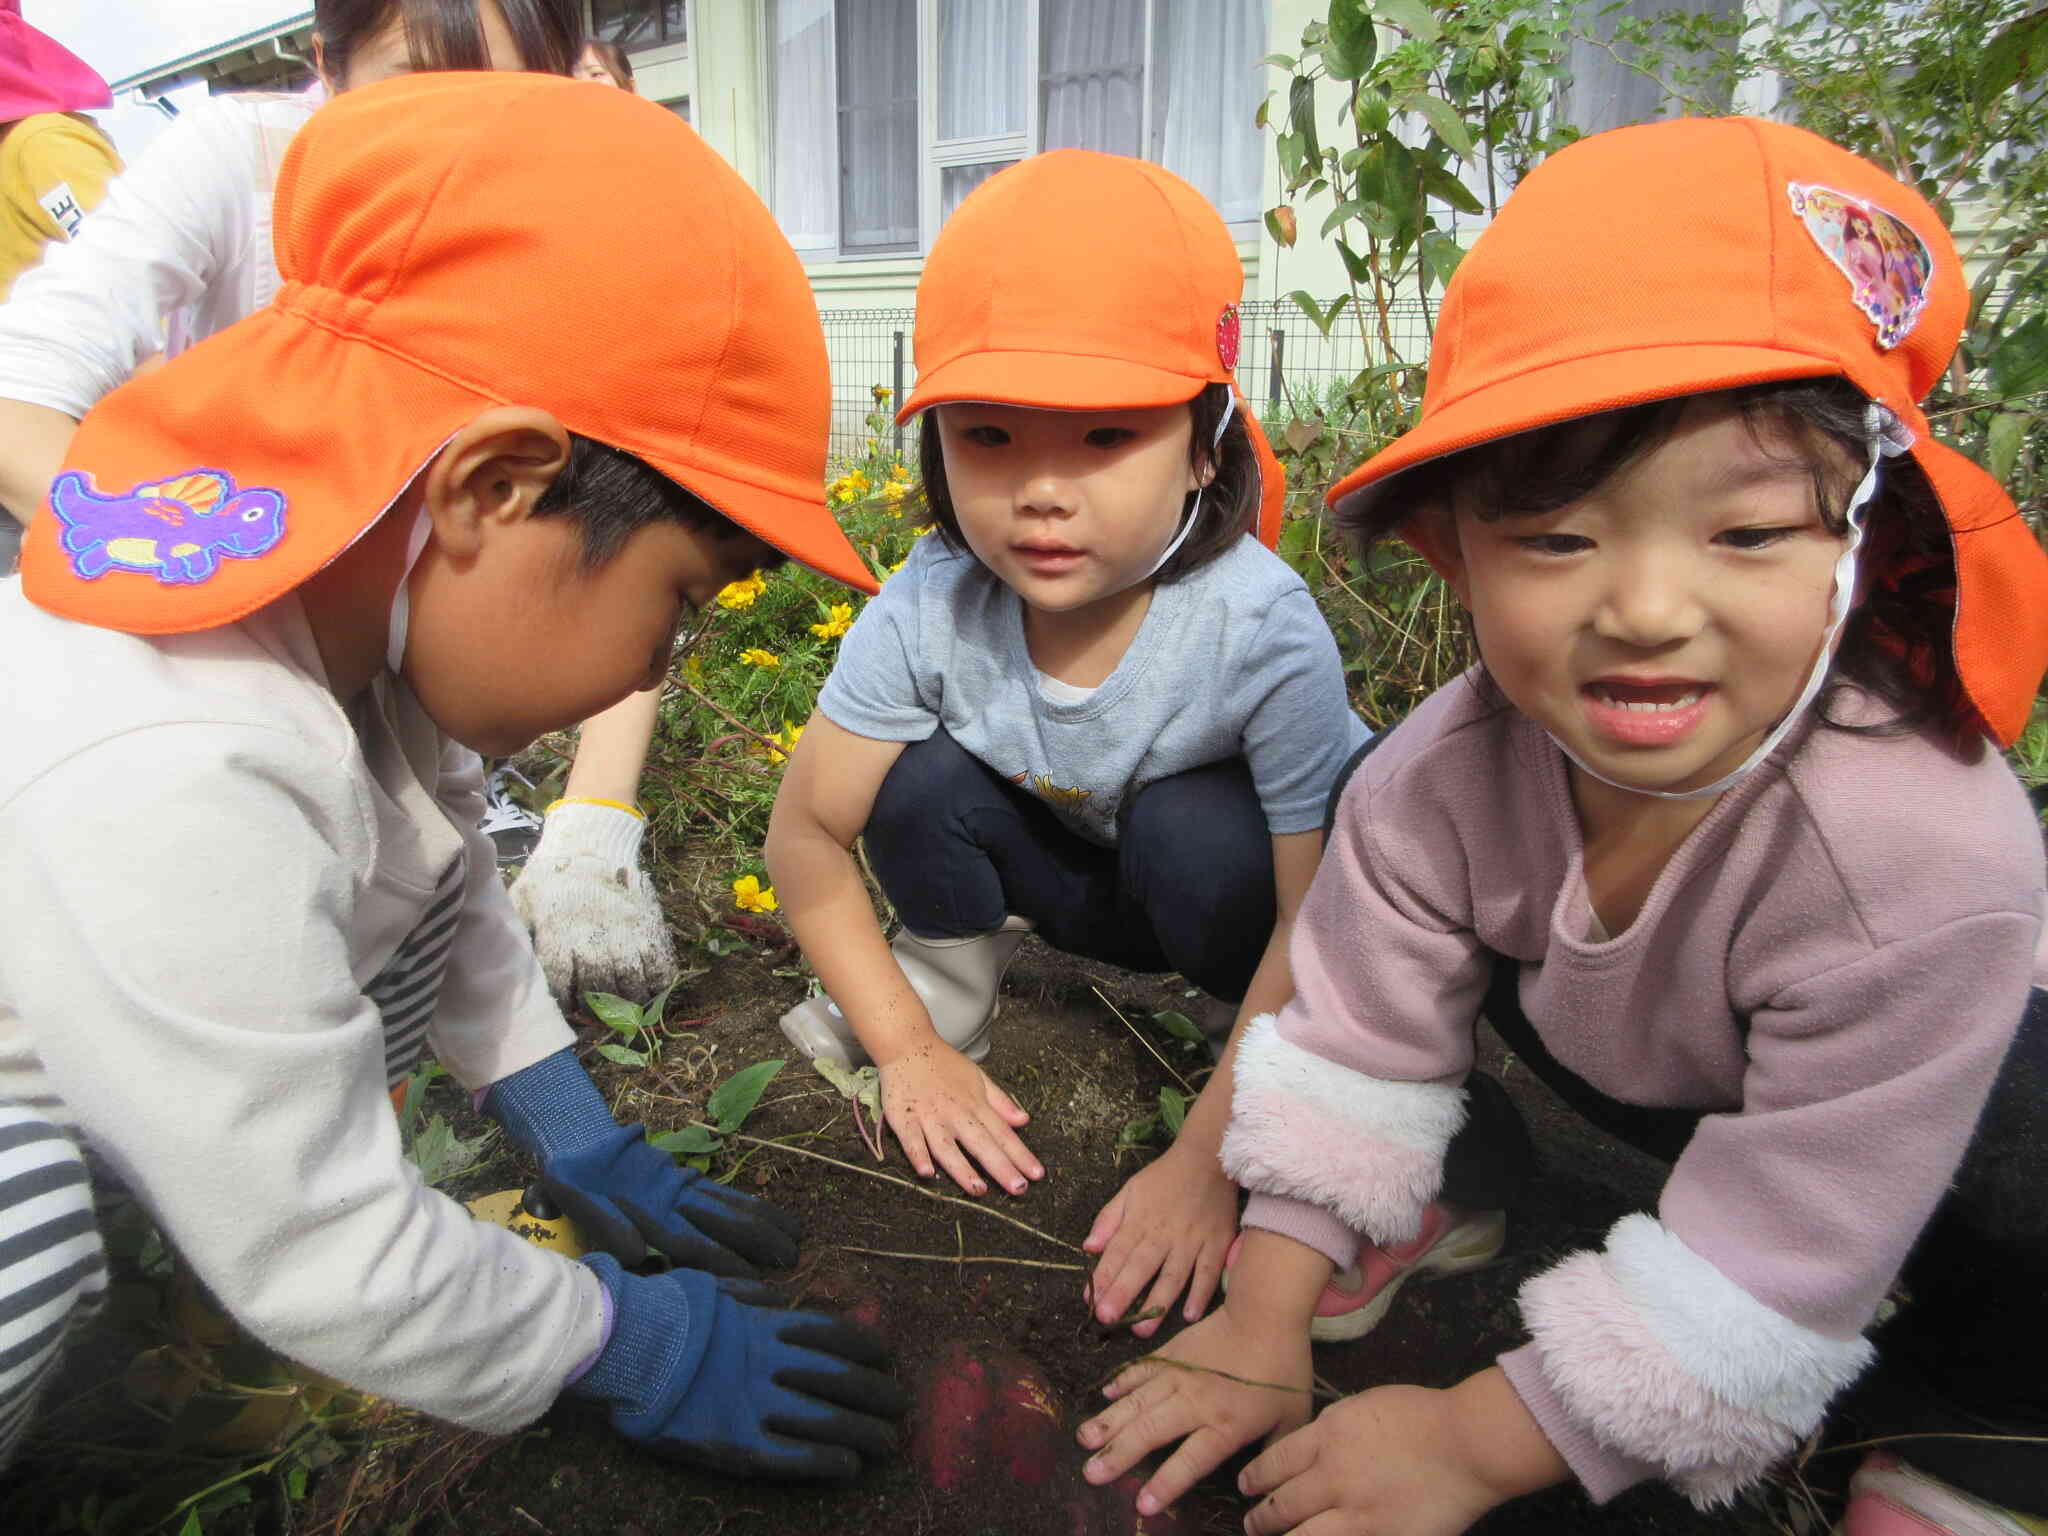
(1715, 838)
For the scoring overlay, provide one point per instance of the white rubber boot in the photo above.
(957, 980)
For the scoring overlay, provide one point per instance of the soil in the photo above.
(1083, 1075)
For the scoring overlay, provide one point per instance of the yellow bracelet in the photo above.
(633, 811)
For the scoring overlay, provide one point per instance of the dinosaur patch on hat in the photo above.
(177, 530)
(1887, 263)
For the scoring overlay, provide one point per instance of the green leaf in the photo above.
(1446, 188)
(1309, 307)
(440, 1154)
(1440, 256)
(192, 1527)
(295, 1482)
(690, 1141)
(1358, 266)
(1173, 1109)
(1411, 16)
(1343, 213)
(1280, 225)
(614, 1012)
(1353, 40)
(1278, 60)
(734, 1099)
(1301, 117)
(2002, 444)
(621, 1055)
(2018, 53)
(1444, 121)
(1178, 1025)
(656, 1007)
(2018, 364)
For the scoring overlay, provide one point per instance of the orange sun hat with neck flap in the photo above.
(449, 243)
(1705, 254)
(1082, 281)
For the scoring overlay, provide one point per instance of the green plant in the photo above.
(1161, 1126)
(429, 1140)
(638, 1026)
(727, 1109)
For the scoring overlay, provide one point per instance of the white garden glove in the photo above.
(595, 922)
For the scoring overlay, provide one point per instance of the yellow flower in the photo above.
(838, 620)
(895, 491)
(749, 895)
(754, 656)
(899, 471)
(881, 392)
(857, 481)
(785, 743)
(887, 570)
(693, 667)
(741, 593)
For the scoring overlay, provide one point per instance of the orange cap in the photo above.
(1080, 281)
(1709, 253)
(447, 243)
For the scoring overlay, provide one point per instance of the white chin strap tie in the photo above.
(1194, 512)
(1890, 437)
(401, 601)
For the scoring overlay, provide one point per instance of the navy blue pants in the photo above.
(1188, 888)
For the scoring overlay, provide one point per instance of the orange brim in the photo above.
(1052, 381)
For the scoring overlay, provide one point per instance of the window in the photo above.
(886, 113)
(1602, 90)
(640, 23)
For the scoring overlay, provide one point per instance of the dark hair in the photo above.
(1230, 502)
(1895, 645)
(612, 57)
(448, 34)
(612, 495)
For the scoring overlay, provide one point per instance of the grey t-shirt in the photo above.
(1232, 660)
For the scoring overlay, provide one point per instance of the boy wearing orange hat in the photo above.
(429, 502)
(1718, 838)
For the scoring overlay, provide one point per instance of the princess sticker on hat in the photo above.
(176, 530)
(1887, 264)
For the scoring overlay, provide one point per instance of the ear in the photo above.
(320, 64)
(1433, 531)
(490, 475)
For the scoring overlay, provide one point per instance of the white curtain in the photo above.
(981, 68)
(1205, 93)
(878, 133)
(1091, 83)
(806, 176)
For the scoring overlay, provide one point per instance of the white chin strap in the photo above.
(1194, 512)
(1890, 437)
(401, 601)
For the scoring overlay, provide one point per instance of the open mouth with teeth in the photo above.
(1645, 714)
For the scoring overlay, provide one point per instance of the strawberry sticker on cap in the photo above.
(1228, 334)
(1887, 263)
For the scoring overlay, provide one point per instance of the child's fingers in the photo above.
(910, 1135)
(1172, 1279)
(949, 1155)
(1009, 1143)
(989, 1150)
(1288, 1457)
(1201, 1453)
(1202, 1284)
(1006, 1106)
(1131, 1261)
(1107, 1220)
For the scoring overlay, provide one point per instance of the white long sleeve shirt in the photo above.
(203, 862)
(179, 248)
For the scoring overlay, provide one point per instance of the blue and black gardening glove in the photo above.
(625, 1197)
(711, 1372)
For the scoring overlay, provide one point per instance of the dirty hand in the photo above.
(945, 1109)
(594, 919)
(1220, 1385)
(625, 1196)
(1394, 1461)
(1169, 1226)
(713, 1373)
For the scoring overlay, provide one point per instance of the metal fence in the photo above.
(1285, 365)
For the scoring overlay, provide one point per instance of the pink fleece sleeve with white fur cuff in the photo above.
(1648, 1353)
(1368, 1150)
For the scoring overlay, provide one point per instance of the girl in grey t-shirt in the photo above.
(1090, 705)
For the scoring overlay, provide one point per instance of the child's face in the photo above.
(1660, 626)
(1067, 507)
(522, 640)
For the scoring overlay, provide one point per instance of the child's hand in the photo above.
(1206, 1401)
(1403, 1461)
(1169, 1226)
(945, 1109)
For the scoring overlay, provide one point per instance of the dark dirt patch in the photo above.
(1082, 1075)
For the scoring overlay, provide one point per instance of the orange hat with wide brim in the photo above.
(1081, 281)
(449, 243)
(1706, 254)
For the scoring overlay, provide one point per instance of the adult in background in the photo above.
(604, 62)
(186, 235)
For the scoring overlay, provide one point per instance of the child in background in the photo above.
(54, 161)
(1091, 704)
(1716, 839)
(427, 502)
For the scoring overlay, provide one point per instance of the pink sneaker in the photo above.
(1889, 1497)
(1451, 1242)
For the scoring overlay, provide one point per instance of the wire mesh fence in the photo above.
(1286, 366)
